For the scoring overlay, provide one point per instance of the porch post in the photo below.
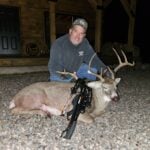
(52, 18)
(98, 26)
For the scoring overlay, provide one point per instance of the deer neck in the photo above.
(100, 99)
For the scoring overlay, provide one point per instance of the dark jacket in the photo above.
(65, 55)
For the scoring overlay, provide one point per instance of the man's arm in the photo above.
(97, 62)
(55, 62)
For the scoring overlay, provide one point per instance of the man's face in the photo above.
(77, 34)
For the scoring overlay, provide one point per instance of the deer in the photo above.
(54, 98)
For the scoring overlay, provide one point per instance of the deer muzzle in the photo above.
(115, 97)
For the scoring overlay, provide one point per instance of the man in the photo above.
(72, 53)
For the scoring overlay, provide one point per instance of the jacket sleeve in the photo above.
(55, 61)
(96, 62)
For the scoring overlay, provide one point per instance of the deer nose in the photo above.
(115, 98)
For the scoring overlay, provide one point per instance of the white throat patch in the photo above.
(107, 99)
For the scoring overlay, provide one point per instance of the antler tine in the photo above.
(91, 72)
(122, 64)
(68, 73)
(112, 73)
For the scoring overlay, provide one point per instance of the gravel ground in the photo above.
(124, 126)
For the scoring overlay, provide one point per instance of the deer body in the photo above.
(50, 98)
(47, 97)
(53, 98)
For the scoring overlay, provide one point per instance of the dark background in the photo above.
(116, 26)
(142, 29)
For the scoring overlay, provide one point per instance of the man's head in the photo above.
(81, 22)
(78, 31)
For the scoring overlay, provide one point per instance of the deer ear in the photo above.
(117, 80)
(94, 85)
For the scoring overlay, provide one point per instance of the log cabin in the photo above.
(29, 27)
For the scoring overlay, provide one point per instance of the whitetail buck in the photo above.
(54, 98)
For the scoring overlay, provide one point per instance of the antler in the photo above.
(91, 72)
(122, 64)
(68, 73)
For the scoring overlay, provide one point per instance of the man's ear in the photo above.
(70, 30)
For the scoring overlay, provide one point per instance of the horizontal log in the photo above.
(6, 62)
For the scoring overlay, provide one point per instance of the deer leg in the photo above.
(42, 110)
(18, 110)
(50, 110)
(95, 114)
(85, 117)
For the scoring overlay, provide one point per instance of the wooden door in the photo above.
(9, 31)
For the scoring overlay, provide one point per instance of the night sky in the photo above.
(116, 26)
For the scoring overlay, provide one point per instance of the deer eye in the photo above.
(105, 88)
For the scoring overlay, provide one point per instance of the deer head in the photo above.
(108, 85)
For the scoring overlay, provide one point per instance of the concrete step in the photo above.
(22, 69)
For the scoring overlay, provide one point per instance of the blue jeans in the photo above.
(81, 73)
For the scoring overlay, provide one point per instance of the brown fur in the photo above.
(56, 95)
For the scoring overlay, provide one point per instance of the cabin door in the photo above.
(9, 31)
